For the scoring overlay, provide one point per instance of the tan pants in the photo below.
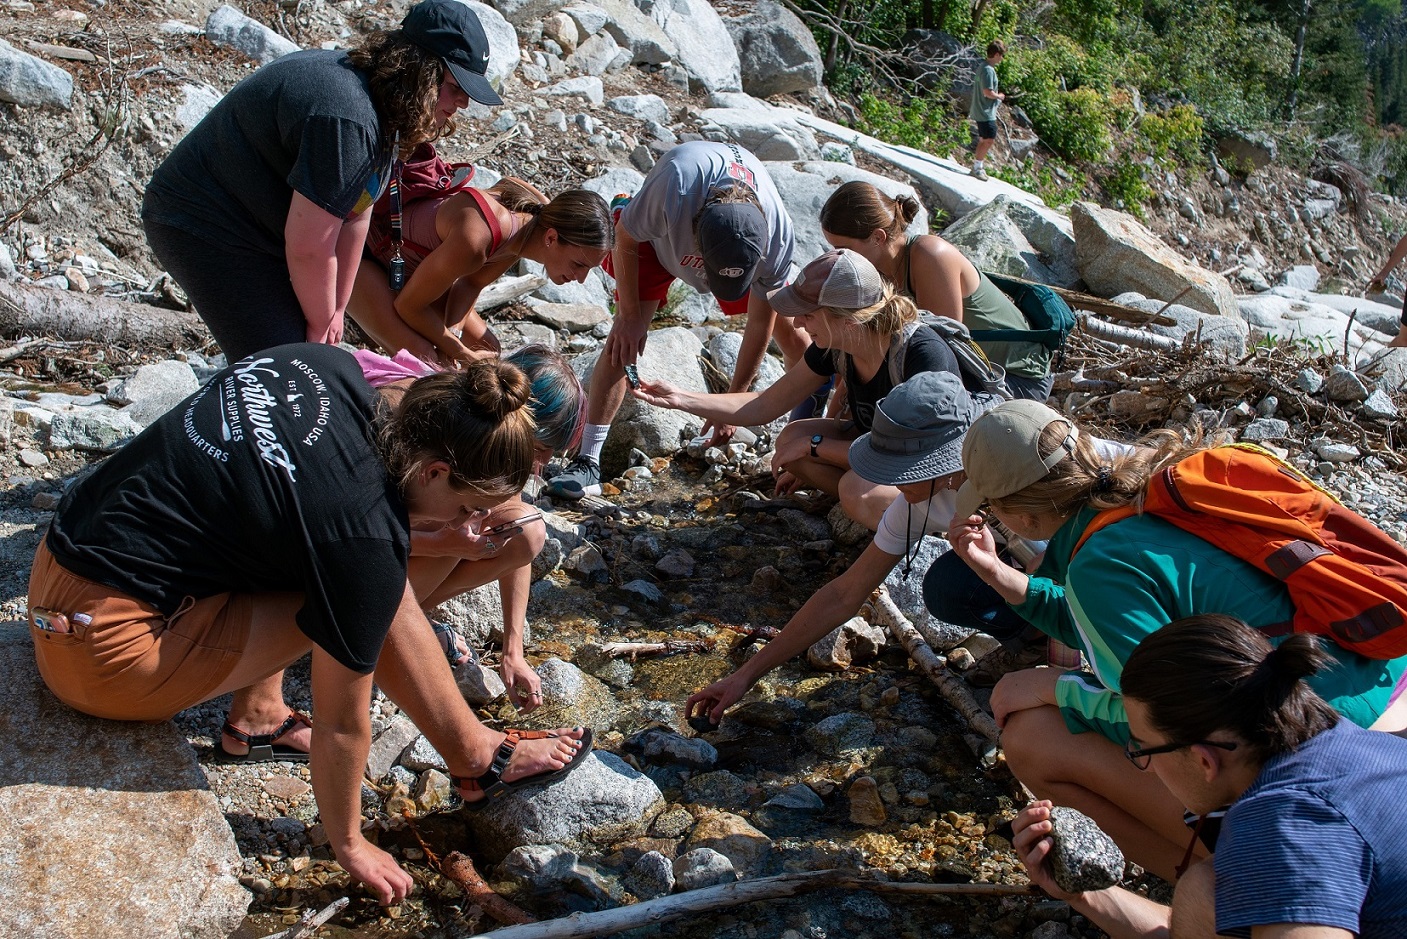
(124, 660)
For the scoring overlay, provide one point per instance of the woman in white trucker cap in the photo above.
(1045, 478)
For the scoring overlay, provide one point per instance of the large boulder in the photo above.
(30, 82)
(110, 827)
(805, 187)
(1012, 238)
(1319, 326)
(671, 353)
(231, 29)
(1246, 150)
(776, 51)
(601, 802)
(1379, 317)
(503, 42)
(527, 12)
(1115, 253)
(770, 135)
(636, 31)
(705, 50)
(154, 389)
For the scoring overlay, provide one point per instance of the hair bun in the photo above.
(495, 388)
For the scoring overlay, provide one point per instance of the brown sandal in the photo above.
(262, 748)
(492, 783)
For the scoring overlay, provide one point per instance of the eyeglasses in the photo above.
(1142, 756)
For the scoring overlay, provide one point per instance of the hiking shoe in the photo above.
(582, 477)
(978, 173)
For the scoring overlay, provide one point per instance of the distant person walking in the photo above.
(985, 99)
(1379, 282)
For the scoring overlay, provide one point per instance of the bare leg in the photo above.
(373, 307)
(275, 642)
(983, 145)
(608, 383)
(1194, 903)
(812, 473)
(1089, 773)
(865, 501)
(437, 579)
(1401, 338)
(791, 339)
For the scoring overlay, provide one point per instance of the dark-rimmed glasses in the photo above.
(1142, 756)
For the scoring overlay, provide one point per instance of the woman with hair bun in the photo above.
(852, 317)
(501, 543)
(1309, 842)
(938, 277)
(456, 245)
(268, 516)
(1043, 477)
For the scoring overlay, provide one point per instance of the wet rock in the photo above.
(702, 867)
(767, 579)
(677, 563)
(647, 546)
(387, 747)
(112, 827)
(798, 797)
(672, 823)
(866, 806)
(719, 788)
(1344, 386)
(1379, 405)
(644, 590)
(1084, 857)
(432, 790)
(867, 907)
(777, 714)
(1265, 428)
(586, 560)
(651, 876)
(602, 802)
(1050, 930)
(845, 530)
(856, 640)
(572, 698)
(658, 745)
(840, 734)
(733, 837)
(537, 866)
(803, 527)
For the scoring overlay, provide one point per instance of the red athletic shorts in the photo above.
(654, 280)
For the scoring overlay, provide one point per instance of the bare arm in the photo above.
(1399, 252)
(465, 241)
(745, 408)
(342, 702)
(756, 335)
(517, 675)
(828, 607)
(313, 240)
(627, 338)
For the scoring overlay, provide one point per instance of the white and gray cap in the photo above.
(839, 278)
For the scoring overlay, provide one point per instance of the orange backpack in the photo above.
(1346, 577)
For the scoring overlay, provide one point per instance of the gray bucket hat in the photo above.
(917, 432)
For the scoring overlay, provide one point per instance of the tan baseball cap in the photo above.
(1001, 452)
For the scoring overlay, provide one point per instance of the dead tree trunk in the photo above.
(62, 314)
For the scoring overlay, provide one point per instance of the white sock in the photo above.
(593, 438)
(977, 164)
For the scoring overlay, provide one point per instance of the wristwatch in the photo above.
(815, 442)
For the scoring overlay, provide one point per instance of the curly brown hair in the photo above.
(404, 82)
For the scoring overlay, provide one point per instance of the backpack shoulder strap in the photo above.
(486, 209)
(898, 352)
(1104, 520)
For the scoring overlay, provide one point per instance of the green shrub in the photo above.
(922, 123)
(1127, 187)
(1175, 133)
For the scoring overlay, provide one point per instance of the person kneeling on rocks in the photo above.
(1309, 846)
(915, 445)
(269, 515)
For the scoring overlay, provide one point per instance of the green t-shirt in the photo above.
(984, 108)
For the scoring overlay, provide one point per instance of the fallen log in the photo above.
(953, 689)
(709, 899)
(1116, 311)
(507, 289)
(460, 869)
(64, 314)
(631, 650)
(1125, 336)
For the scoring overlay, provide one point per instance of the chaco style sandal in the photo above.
(262, 748)
(493, 785)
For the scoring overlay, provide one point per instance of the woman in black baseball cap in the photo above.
(260, 212)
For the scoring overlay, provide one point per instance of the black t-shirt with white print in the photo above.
(266, 479)
(927, 352)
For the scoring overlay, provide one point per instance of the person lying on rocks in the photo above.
(1045, 478)
(854, 319)
(267, 516)
(938, 277)
(707, 214)
(500, 544)
(914, 446)
(1306, 805)
(456, 245)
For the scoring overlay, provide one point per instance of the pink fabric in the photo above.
(380, 370)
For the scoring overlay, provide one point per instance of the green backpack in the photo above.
(1049, 316)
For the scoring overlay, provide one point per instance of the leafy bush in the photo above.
(1176, 132)
(1056, 183)
(1060, 90)
(1127, 187)
(923, 123)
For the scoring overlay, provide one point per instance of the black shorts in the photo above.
(987, 130)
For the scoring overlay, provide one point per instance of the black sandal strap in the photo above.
(263, 740)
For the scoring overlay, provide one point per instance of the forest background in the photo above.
(1119, 90)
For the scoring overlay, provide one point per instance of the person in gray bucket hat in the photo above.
(915, 445)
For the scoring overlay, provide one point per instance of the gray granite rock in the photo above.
(1084, 857)
(854, 641)
(94, 428)
(652, 876)
(1343, 385)
(30, 82)
(776, 51)
(572, 698)
(798, 797)
(387, 747)
(1379, 404)
(228, 27)
(702, 867)
(154, 389)
(1265, 428)
(658, 745)
(841, 733)
(110, 827)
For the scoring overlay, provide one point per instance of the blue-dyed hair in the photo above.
(558, 402)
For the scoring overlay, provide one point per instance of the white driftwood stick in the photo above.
(665, 909)
(624, 650)
(1123, 335)
(507, 289)
(312, 921)
(954, 690)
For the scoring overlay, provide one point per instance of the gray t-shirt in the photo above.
(663, 211)
(984, 108)
(304, 123)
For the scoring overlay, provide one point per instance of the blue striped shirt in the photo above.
(1317, 839)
